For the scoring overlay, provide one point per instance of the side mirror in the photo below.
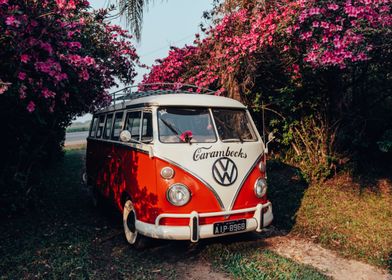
(270, 137)
(125, 136)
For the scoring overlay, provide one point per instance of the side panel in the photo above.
(133, 172)
(116, 170)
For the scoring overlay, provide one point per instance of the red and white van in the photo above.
(180, 166)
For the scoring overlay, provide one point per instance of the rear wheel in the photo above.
(133, 237)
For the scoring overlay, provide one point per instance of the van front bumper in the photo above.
(194, 231)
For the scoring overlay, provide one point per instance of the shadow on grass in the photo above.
(285, 190)
(66, 237)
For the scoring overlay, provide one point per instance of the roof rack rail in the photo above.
(126, 93)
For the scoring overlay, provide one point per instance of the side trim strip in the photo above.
(131, 146)
(197, 177)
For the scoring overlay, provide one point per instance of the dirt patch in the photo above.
(200, 270)
(331, 264)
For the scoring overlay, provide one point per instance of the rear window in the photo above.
(117, 126)
(93, 128)
(133, 124)
(108, 126)
(147, 134)
(101, 124)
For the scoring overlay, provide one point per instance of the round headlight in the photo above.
(167, 172)
(262, 167)
(178, 194)
(260, 187)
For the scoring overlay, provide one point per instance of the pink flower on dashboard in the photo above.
(186, 136)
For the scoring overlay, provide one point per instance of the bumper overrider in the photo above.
(194, 231)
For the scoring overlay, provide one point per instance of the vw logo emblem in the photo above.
(224, 171)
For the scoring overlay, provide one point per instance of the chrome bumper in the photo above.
(194, 231)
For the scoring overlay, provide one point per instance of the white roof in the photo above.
(179, 99)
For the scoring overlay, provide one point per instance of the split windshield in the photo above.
(195, 125)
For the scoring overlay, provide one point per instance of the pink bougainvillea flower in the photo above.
(46, 93)
(22, 92)
(11, 21)
(76, 45)
(30, 107)
(22, 76)
(24, 58)
(333, 7)
(84, 75)
(3, 87)
(3, 2)
(47, 47)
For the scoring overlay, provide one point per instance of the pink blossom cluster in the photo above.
(48, 61)
(315, 34)
(332, 33)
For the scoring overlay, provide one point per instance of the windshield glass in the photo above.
(233, 125)
(182, 125)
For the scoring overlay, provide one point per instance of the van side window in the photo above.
(117, 126)
(147, 127)
(108, 126)
(93, 128)
(133, 124)
(100, 126)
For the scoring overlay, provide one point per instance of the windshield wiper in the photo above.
(171, 127)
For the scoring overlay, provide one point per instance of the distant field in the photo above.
(79, 126)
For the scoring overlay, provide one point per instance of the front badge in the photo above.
(224, 171)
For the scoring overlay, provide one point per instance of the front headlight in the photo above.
(260, 187)
(178, 194)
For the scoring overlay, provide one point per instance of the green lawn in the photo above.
(65, 237)
(353, 217)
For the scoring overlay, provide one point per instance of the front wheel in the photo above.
(129, 222)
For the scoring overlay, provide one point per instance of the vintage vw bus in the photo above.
(179, 166)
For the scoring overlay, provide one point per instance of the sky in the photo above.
(165, 23)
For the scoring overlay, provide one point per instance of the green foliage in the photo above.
(57, 61)
(385, 143)
(248, 261)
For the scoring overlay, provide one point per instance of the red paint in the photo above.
(118, 171)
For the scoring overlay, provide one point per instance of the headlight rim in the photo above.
(180, 185)
(265, 188)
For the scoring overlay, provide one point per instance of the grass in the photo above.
(352, 217)
(65, 237)
(250, 261)
(353, 220)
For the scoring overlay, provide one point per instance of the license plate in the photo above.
(230, 226)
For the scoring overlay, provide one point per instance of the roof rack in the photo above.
(126, 93)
